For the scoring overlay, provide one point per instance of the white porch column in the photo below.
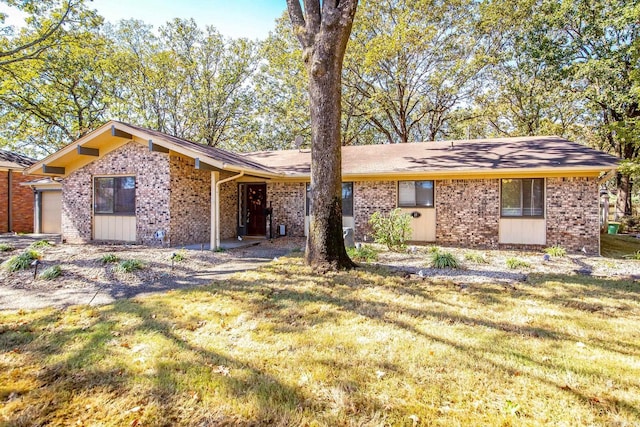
(213, 241)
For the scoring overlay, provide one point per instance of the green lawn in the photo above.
(282, 346)
(618, 245)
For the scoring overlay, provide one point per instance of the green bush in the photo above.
(475, 257)
(40, 244)
(5, 247)
(128, 265)
(514, 263)
(443, 260)
(363, 254)
(109, 258)
(21, 261)
(391, 230)
(50, 273)
(556, 250)
(433, 249)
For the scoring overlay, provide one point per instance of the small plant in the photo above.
(635, 256)
(5, 247)
(391, 230)
(443, 260)
(181, 255)
(433, 249)
(128, 265)
(50, 273)
(363, 254)
(475, 257)
(40, 244)
(556, 250)
(21, 261)
(109, 258)
(514, 263)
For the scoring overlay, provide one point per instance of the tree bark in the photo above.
(323, 30)
(623, 200)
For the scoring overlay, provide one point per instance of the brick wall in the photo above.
(190, 202)
(573, 214)
(287, 200)
(151, 170)
(467, 212)
(21, 203)
(370, 197)
(228, 207)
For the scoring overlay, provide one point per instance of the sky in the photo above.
(233, 18)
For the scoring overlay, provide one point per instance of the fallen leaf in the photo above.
(380, 374)
(223, 370)
(135, 409)
(135, 422)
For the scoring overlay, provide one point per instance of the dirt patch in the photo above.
(86, 279)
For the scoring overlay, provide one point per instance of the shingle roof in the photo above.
(482, 155)
(10, 160)
(216, 153)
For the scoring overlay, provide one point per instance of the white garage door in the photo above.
(51, 211)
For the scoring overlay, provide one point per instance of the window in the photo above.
(523, 197)
(347, 198)
(115, 195)
(415, 193)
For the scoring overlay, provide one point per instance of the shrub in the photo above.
(128, 265)
(556, 250)
(433, 249)
(475, 257)
(443, 260)
(21, 261)
(5, 247)
(51, 273)
(363, 254)
(40, 244)
(392, 229)
(514, 263)
(109, 258)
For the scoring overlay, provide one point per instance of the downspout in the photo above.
(9, 197)
(231, 178)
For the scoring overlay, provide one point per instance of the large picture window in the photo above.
(115, 195)
(347, 198)
(415, 194)
(522, 197)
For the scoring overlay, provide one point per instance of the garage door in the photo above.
(51, 211)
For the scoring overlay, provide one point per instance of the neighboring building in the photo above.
(126, 183)
(16, 200)
(47, 206)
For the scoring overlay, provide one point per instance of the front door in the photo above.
(256, 204)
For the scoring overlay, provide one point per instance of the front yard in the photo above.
(284, 346)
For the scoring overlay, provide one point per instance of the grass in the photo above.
(556, 251)
(6, 247)
(21, 261)
(514, 263)
(40, 244)
(283, 346)
(364, 253)
(618, 246)
(443, 260)
(129, 266)
(51, 272)
(635, 256)
(109, 258)
(475, 257)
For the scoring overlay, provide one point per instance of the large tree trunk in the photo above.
(323, 30)
(623, 200)
(325, 243)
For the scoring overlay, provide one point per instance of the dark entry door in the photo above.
(256, 204)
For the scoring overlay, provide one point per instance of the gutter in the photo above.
(216, 218)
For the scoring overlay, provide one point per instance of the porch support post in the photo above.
(217, 210)
(215, 233)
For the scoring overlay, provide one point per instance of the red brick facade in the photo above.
(21, 202)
